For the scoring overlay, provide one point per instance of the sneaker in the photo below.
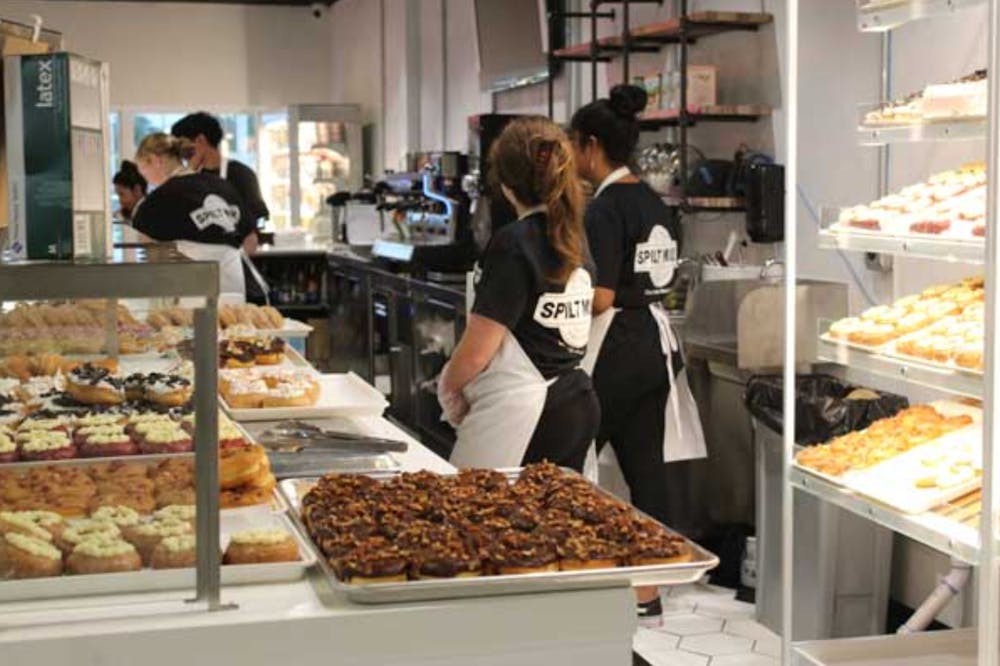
(650, 613)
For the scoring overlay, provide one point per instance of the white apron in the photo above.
(683, 437)
(505, 404)
(230, 260)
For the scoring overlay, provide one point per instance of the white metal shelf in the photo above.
(882, 15)
(936, 648)
(951, 130)
(929, 375)
(939, 249)
(942, 534)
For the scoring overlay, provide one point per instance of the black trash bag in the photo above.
(822, 410)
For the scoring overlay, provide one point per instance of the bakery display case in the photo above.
(83, 477)
(929, 473)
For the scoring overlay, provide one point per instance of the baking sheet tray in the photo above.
(682, 573)
(893, 482)
(310, 463)
(343, 395)
(907, 502)
(151, 580)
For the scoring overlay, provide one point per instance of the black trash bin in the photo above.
(825, 407)
(829, 602)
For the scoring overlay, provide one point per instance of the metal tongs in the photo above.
(294, 436)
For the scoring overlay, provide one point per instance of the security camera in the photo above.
(317, 9)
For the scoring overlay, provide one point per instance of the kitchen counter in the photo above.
(306, 622)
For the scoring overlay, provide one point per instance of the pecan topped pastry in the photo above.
(485, 479)
(519, 552)
(659, 548)
(423, 480)
(446, 558)
(587, 551)
(374, 560)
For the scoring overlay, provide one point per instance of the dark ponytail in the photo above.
(613, 122)
(534, 159)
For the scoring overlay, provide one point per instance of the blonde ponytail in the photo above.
(165, 145)
(534, 159)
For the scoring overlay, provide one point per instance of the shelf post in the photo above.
(594, 6)
(989, 580)
(206, 456)
(682, 116)
(788, 387)
(626, 42)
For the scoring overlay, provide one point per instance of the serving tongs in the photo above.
(294, 436)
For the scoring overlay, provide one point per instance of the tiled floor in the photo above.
(705, 626)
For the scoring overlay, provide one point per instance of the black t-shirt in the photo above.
(242, 177)
(197, 207)
(551, 321)
(634, 239)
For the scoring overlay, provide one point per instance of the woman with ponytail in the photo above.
(648, 414)
(513, 388)
(201, 212)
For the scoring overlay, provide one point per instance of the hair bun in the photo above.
(627, 100)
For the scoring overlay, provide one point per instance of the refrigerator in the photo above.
(307, 153)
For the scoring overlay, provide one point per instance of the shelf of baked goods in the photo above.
(694, 26)
(658, 118)
(943, 218)
(933, 339)
(940, 112)
(882, 15)
(955, 647)
(917, 473)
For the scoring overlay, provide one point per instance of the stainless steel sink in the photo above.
(741, 322)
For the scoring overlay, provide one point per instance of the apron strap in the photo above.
(669, 346)
(257, 277)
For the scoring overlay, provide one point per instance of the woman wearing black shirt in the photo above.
(648, 414)
(200, 211)
(513, 387)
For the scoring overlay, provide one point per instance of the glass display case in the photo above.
(108, 441)
(307, 153)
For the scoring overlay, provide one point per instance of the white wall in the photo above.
(186, 55)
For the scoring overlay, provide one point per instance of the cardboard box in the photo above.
(702, 85)
(56, 126)
(17, 39)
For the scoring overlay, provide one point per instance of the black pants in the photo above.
(632, 385)
(568, 423)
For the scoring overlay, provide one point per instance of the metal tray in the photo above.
(682, 573)
(152, 580)
(308, 463)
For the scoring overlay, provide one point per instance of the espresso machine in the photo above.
(489, 209)
(425, 218)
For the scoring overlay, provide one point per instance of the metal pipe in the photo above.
(946, 590)
(682, 116)
(206, 455)
(594, 5)
(989, 576)
(885, 94)
(626, 40)
(788, 374)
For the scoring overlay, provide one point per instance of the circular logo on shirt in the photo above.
(216, 211)
(657, 257)
(569, 311)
